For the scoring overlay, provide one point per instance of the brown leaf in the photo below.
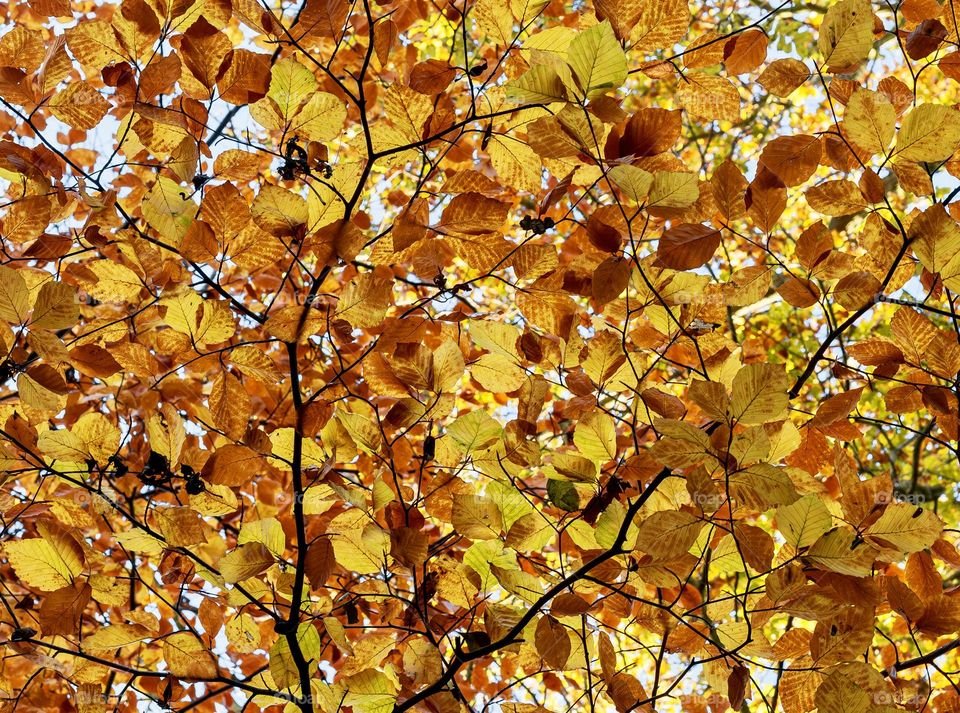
(602, 235)
(431, 76)
(782, 76)
(647, 133)
(799, 292)
(62, 609)
(553, 642)
(687, 246)
(792, 159)
(729, 189)
(320, 563)
(745, 52)
(925, 39)
(738, 684)
(206, 52)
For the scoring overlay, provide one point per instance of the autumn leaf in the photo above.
(846, 33)
(540, 356)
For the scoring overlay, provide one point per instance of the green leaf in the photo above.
(563, 495)
(598, 60)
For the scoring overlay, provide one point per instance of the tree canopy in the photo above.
(521, 356)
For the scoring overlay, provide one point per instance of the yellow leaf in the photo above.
(278, 211)
(283, 667)
(290, 84)
(538, 85)
(673, 190)
(930, 132)
(94, 44)
(100, 437)
(79, 105)
(14, 296)
(668, 534)
(571, 467)
(237, 164)
(935, 238)
(188, 658)
(497, 373)
(166, 433)
(759, 394)
(27, 219)
(474, 430)
(204, 321)
(243, 633)
(267, 531)
(115, 283)
(365, 300)
(496, 337)
(115, 636)
(248, 560)
(841, 551)
(321, 118)
(494, 20)
(140, 541)
(596, 437)
(476, 517)
(869, 121)
(93, 436)
(804, 521)
(906, 527)
(363, 429)
(659, 25)
(407, 110)
(359, 544)
(180, 526)
(846, 33)
(214, 501)
(839, 693)
(633, 181)
(48, 562)
(36, 395)
(62, 445)
(709, 97)
(167, 210)
(371, 691)
(840, 197)
(517, 164)
(56, 306)
(448, 366)
(254, 362)
(135, 358)
(281, 440)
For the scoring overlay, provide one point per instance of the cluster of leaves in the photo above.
(524, 354)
